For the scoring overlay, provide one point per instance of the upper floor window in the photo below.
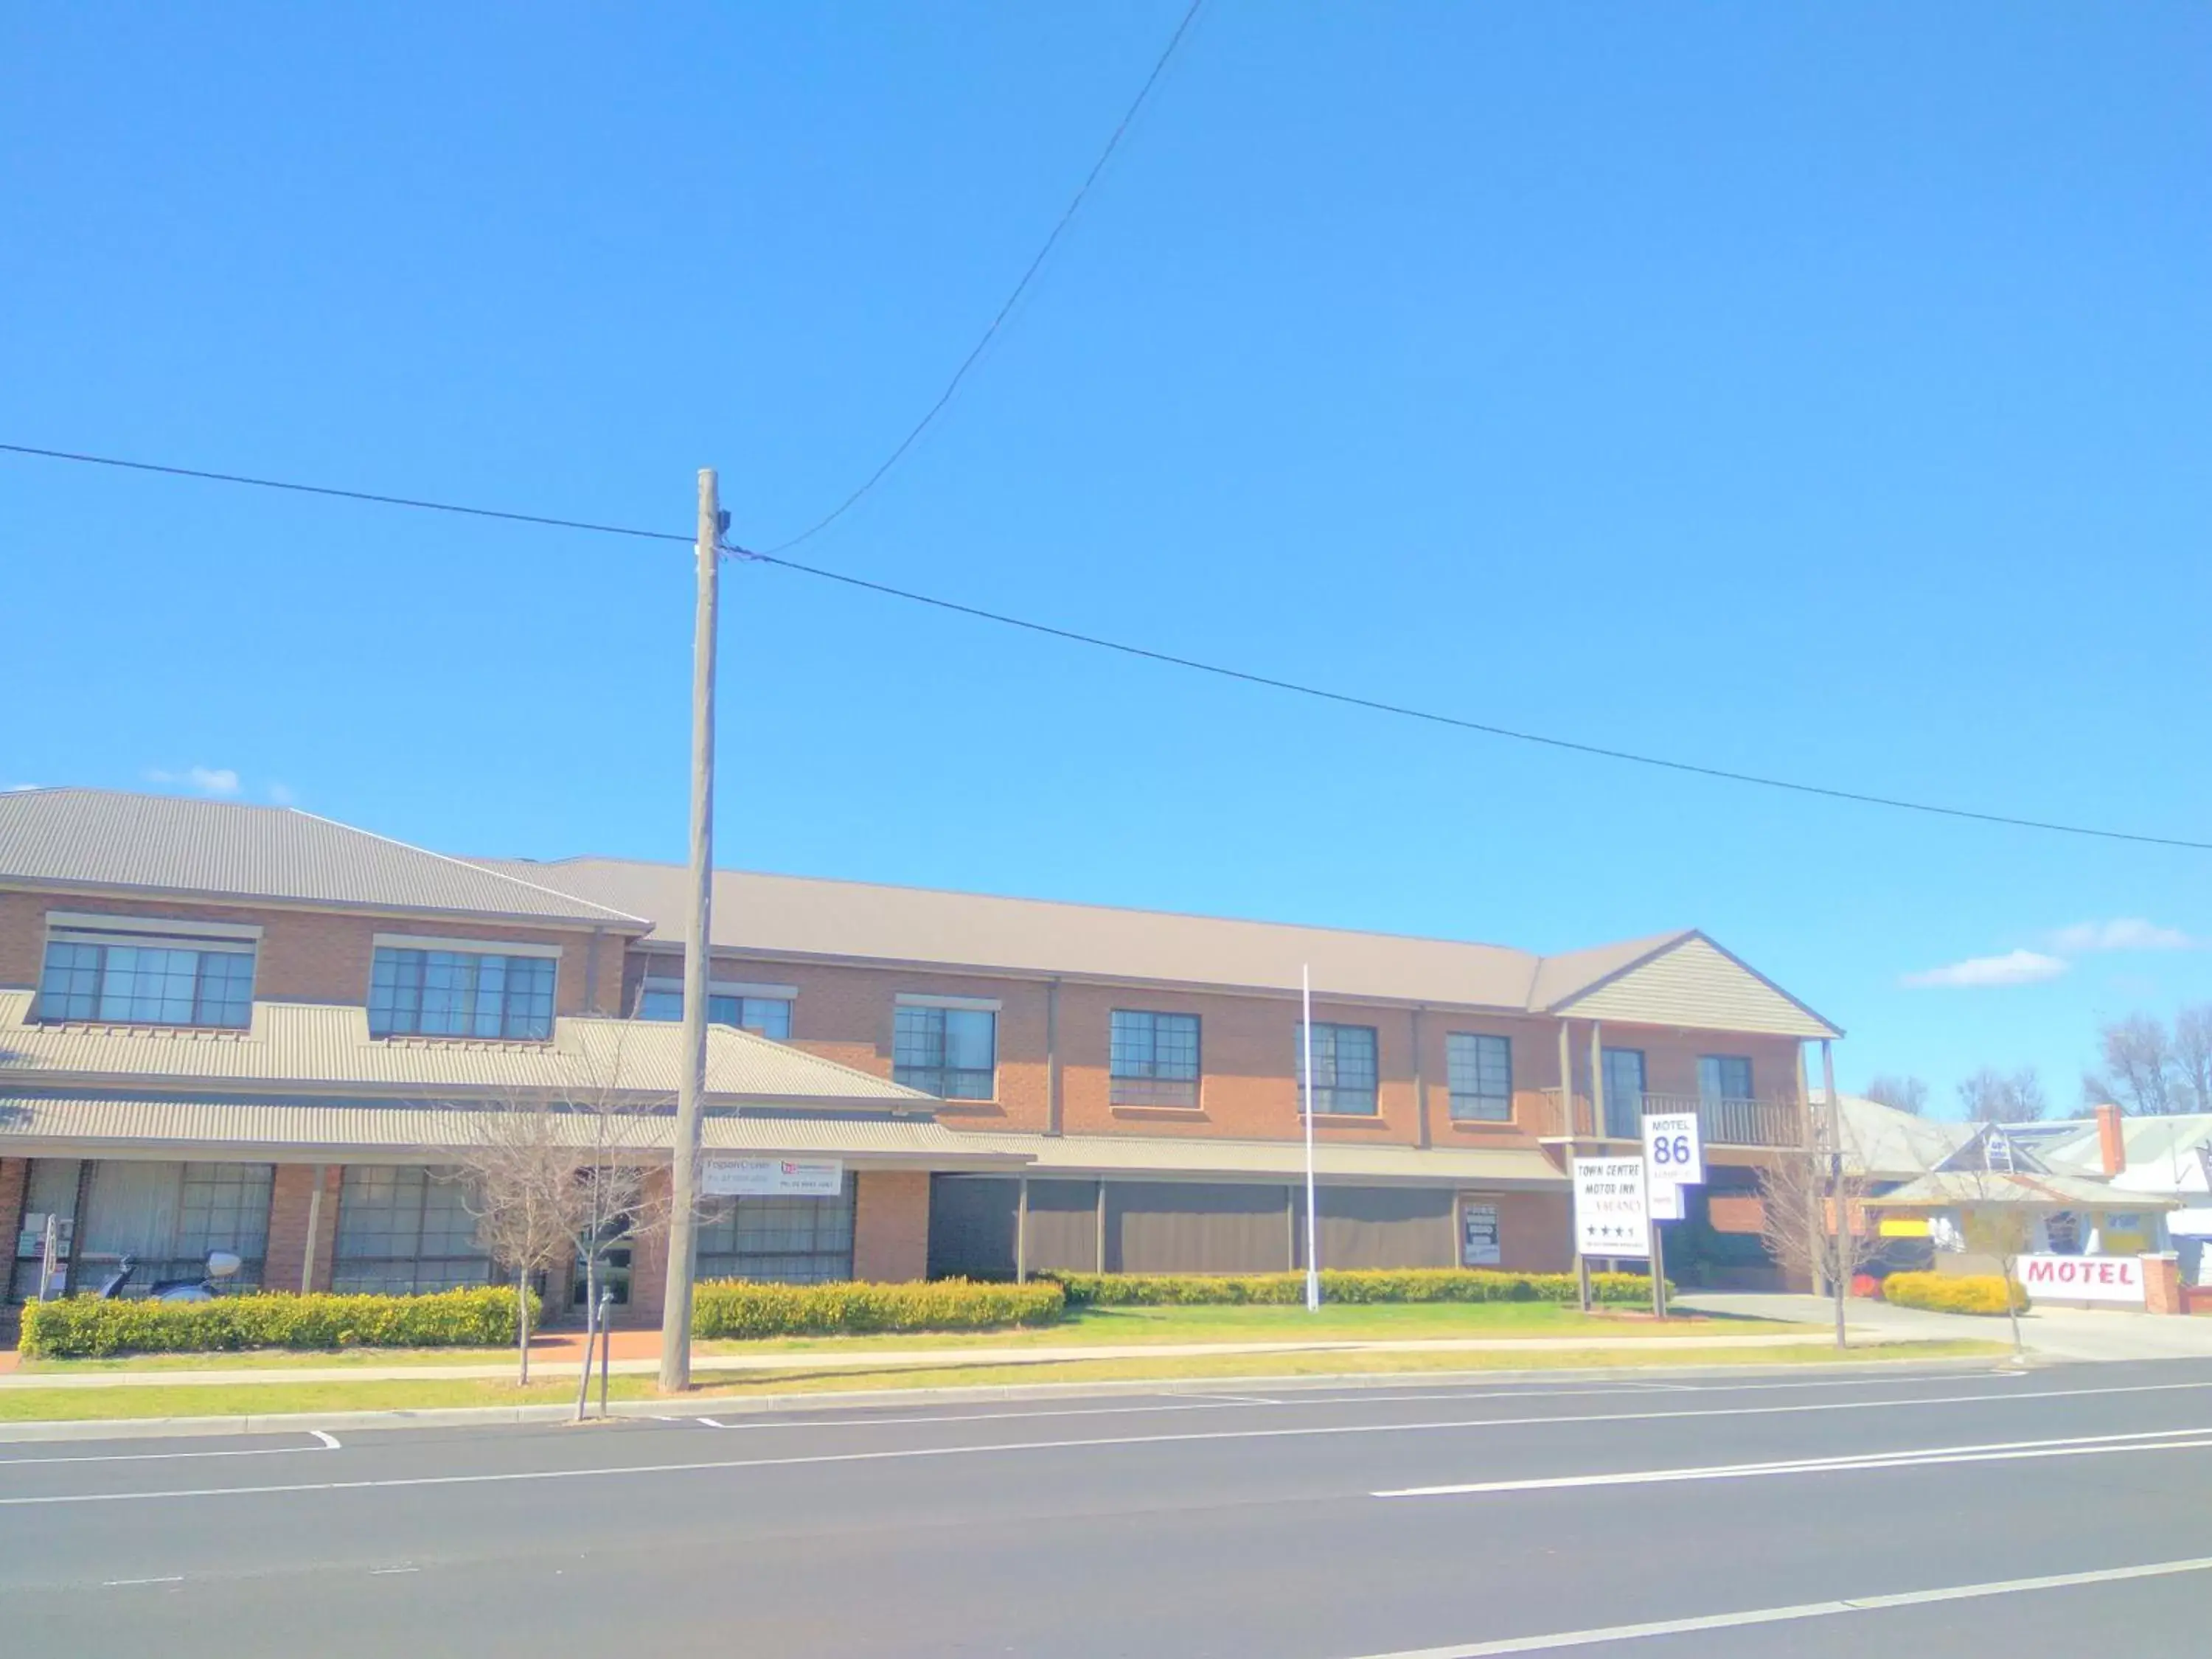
(946, 1047)
(1153, 1059)
(1479, 1068)
(122, 969)
(1723, 1077)
(1345, 1069)
(437, 990)
(764, 1009)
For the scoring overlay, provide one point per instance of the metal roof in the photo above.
(295, 1045)
(1889, 1145)
(2056, 1192)
(110, 1126)
(805, 917)
(101, 840)
(1190, 1157)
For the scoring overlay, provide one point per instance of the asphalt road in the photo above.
(1461, 1519)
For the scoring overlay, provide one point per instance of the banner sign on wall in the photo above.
(1610, 1216)
(2084, 1278)
(1478, 1236)
(771, 1177)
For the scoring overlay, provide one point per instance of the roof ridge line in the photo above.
(448, 858)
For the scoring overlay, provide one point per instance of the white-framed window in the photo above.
(946, 1048)
(1346, 1068)
(1723, 1077)
(1479, 1070)
(762, 1009)
(139, 971)
(1152, 1058)
(448, 992)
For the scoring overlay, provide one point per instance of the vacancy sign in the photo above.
(1609, 1214)
(772, 1177)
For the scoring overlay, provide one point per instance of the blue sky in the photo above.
(1813, 391)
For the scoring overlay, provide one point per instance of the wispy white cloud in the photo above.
(207, 780)
(2121, 934)
(282, 795)
(2013, 968)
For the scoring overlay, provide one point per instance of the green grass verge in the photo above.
(1110, 1326)
(247, 1396)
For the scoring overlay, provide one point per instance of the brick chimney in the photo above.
(2111, 1144)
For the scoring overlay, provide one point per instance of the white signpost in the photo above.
(1673, 1158)
(772, 1177)
(2084, 1278)
(1610, 1217)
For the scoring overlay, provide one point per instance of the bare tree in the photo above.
(1902, 1094)
(1994, 1097)
(518, 1177)
(2139, 1070)
(1995, 1228)
(1812, 1218)
(2192, 1055)
(559, 1174)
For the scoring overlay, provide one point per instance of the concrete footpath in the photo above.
(2048, 1333)
(807, 1360)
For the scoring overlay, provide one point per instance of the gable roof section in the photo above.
(103, 841)
(807, 916)
(1690, 982)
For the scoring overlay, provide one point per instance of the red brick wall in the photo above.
(308, 956)
(15, 1177)
(291, 1200)
(890, 1226)
(649, 1259)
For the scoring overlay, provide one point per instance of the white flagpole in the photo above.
(1305, 1035)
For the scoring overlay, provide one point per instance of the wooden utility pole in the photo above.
(691, 1082)
(1840, 1261)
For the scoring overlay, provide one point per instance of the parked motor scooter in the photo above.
(220, 1265)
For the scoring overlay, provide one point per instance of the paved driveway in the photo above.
(2049, 1333)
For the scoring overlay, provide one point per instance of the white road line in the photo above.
(330, 1441)
(6, 1463)
(386, 1572)
(1100, 1442)
(1999, 1451)
(123, 1583)
(1588, 1638)
(1219, 1403)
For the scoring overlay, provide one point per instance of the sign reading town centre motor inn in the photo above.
(1609, 1214)
(2084, 1278)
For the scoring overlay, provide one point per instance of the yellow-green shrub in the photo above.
(79, 1326)
(1966, 1293)
(738, 1307)
(1345, 1286)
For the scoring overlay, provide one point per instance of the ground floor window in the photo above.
(165, 1215)
(403, 1232)
(790, 1241)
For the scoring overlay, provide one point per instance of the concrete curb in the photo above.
(678, 1409)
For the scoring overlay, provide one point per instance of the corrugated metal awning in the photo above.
(1190, 1158)
(340, 1132)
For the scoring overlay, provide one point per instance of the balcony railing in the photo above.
(1720, 1122)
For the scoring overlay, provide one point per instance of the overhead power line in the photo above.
(1074, 636)
(1028, 276)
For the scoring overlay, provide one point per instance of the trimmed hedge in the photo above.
(78, 1326)
(1344, 1285)
(743, 1308)
(1966, 1293)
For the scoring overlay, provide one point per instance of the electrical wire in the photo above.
(343, 495)
(1352, 701)
(1044, 252)
(1346, 699)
